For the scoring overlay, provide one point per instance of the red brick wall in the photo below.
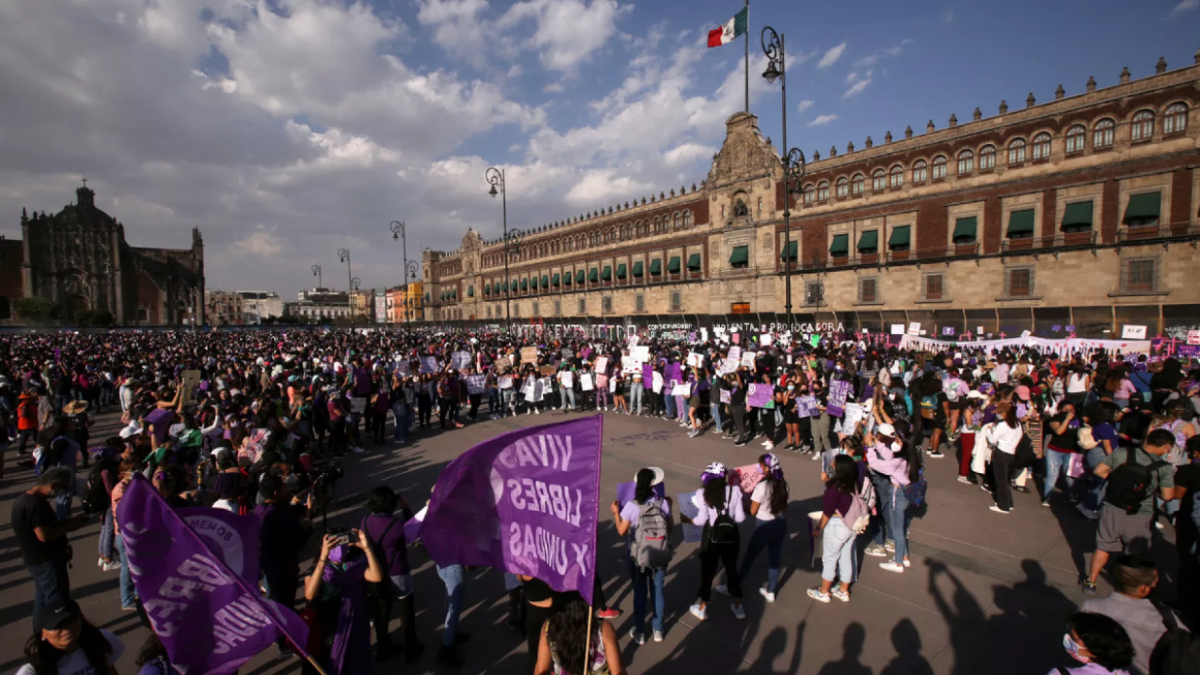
(11, 257)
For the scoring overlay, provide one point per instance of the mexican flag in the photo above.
(732, 30)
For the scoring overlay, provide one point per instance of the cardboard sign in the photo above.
(585, 382)
(1132, 332)
(684, 390)
(529, 355)
(503, 362)
(691, 533)
(547, 370)
(748, 477)
(748, 359)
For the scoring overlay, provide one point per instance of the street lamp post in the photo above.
(399, 233)
(344, 256)
(792, 160)
(496, 178)
(316, 270)
(411, 266)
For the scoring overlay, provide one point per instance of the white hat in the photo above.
(132, 430)
(659, 475)
(886, 429)
(974, 393)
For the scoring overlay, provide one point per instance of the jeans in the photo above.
(635, 398)
(1096, 486)
(567, 396)
(107, 534)
(768, 534)
(837, 561)
(647, 582)
(1056, 463)
(50, 583)
(681, 407)
(453, 577)
(669, 402)
(716, 413)
(400, 413)
(506, 398)
(882, 523)
(128, 591)
(897, 517)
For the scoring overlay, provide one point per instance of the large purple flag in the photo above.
(524, 502)
(196, 572)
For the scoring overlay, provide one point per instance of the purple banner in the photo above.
(196, 572)
(1188, 351)
(758, 395)
(541, 518)
(839, 391)
(647, 375)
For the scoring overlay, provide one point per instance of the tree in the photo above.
(36, 309)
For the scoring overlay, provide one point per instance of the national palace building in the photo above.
(1079, 214)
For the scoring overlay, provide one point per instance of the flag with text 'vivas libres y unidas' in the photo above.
(196, 573)
(524, 502)
(732, 30)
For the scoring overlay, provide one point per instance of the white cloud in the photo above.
(851, 77)
(889, 52)
(1184, 7)
(947, 17)
(832, 56)
(804, 105)
(821, 120)
(860, 84)
(262, 242)
(553, 88)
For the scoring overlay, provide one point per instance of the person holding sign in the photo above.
(768, 505)
(719, 506)
(647, 521)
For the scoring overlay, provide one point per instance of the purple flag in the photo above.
(541, 517)
(161, 418)
(196, 572)
(839, 391)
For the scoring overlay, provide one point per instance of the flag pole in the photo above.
(747, 36)
(587, 645)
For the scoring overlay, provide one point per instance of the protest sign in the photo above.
(695, 359)
(765, 339)
(1193, 337)
(529, 355)
(548, 369)
(505, 382)
(196, 572)
(839, 390)
(725, 396)
(735, 353)
(191, 380)
(567, 379)
(727, 366)
(626, 491)
(748, 359)
(758, 395)
(691, 533)
(815, 340)
(585, 382)
(503, 362)
(641, 353)
(542, 514)
(601, 365)
(429, 364)
(647, 374)
(854, 414)
(633, 341)
(897, 329)
(657, 381)
(358, 404)
(748, 477)
(161, 419)
(806, 406)
(476, 384)
(1132, 332)
(630, 365)
(684, 390)
(602, 381)
(460, 360)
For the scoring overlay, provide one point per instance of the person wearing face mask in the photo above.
(42, 537)
(336, 592)
(66, 643)
(791, 421)
(1135, 578)
(1098, 643)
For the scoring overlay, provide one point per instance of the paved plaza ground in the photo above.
(987, 593)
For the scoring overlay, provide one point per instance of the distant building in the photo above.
(404, 303)
(381, 306)
(79, 259)
(316, 312)
(324, 295)
(224, 308)
(260, 305)
(362, 305)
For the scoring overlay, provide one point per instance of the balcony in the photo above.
(1166, 231)
(891, 257)
(1057, 241)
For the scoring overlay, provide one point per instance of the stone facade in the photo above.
(1080, 213)
(224, 308)
(79, 258)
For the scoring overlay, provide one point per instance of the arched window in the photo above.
(1041, 146)
(823, 191)
(1102, 134)
(856, 184)
(939, 167)
(897, 177)
(1175, 119)
(966, 162)
(687, 219)
(1142, 128)
(1076, 136)
(878, 180)
(1016, 151)
(987, 157)
(843, 188)
(678, 221)
(810, 193)
(920, 171)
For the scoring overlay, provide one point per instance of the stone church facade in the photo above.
(1080, 215)
(79, 259)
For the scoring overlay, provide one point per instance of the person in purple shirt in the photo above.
(385, 531)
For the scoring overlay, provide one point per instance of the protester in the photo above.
(66, 643)
(385, 531)
(1002, 438)
(1099, 643)
(152, 659)
(837, 537)
(768, 505)
(647, 521)
(1134, 578)
(564, 645)
(42, 537)
(719, 510)
(284, 530)
(335, 591)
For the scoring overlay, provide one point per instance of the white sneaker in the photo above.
(537, 412)
(766, 594)
(357, 451)
(111, 567)
(892, 566)
(698, 612)
(816, 456)
(637, 637)
(738, 612)
(658, 636)
(765, 443)
(768, 445)
(997, 509)
(907, 562)
(839, 594)
(964, 479)
(722, 589)
(816, 594)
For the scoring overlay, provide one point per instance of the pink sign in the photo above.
(748, 477)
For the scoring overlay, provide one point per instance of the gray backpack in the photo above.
(651, 549)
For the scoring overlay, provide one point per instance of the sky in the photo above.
(288, 129)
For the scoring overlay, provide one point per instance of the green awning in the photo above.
(579, 277)
(567, 279)
(621, 271)
(1020, 222)
(1078, 214)
(555, 280)
(841, 246)
(470, 291)
(964, 227)
(656, 266)
(524, 284)
(673, 265)
(792, 253)
(740, 255)
(513, 286)
(533, 283)
(637, 268)
(545, 281)
(899, 236)
(694, 262)
(606, 275)
(1148, 205)
(487, 289)
(593, 275)
(869, 241)
(454, 294)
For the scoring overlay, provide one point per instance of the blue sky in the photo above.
(286, 129)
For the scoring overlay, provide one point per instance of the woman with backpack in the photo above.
(840, 504)
(900, 463)
(768, 505)
(385, 532)
(719, 510)
(647, 521)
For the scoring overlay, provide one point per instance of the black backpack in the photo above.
(1131, 483)
(1178, 651)
(96, 497)
(722, 531)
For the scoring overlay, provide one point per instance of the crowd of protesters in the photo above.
(256, 422)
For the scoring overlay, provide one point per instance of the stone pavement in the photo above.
(987, 593)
